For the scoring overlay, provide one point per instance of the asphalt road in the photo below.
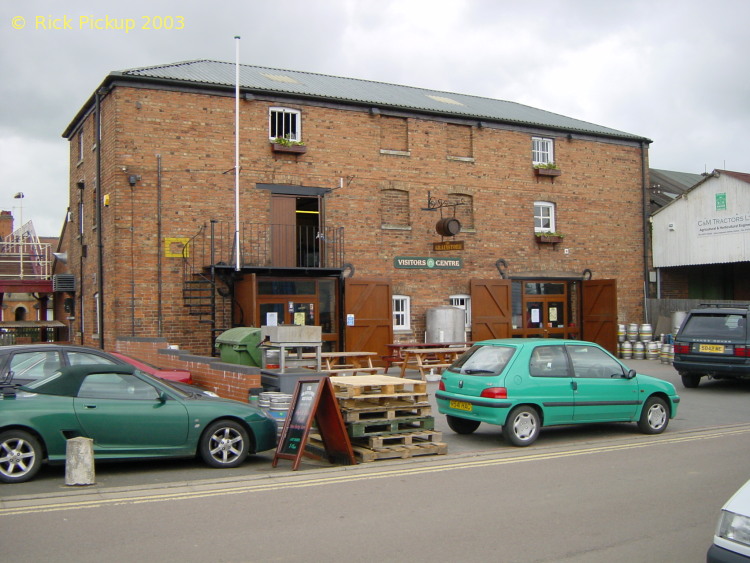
(583, 494)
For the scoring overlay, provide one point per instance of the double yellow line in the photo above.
(349, 476)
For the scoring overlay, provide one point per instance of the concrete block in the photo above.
(79, 461)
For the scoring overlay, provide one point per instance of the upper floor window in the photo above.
(401, 312)
(544, 217)
(542, 150)
(285, 123)
(80, 146)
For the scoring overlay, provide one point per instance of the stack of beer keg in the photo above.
(636, 342)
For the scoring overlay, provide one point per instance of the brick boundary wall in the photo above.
(229, 381)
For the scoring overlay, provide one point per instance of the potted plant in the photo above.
(284, 144)
(548, 169)
(549, 237)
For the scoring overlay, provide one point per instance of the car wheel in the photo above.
(462, 425)
(225, 443)
(690, 380)
(522, 426)
(20, 456)
(654, 416)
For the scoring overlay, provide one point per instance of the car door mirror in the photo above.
(631, 374)
(162, 398)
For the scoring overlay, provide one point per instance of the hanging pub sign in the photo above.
(448, 245)
(429, 263)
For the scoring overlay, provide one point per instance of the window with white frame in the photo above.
(462, 302)
(401, 312)
(285, 123)
(542, 150)
(544, 217)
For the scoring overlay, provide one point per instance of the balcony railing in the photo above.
(268, 246)
(24, 259)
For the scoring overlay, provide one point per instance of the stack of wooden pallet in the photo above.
(387, 417)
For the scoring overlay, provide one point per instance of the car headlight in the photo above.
(734, 527)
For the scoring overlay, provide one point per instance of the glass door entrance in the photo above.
(300, 302)
(542, 309)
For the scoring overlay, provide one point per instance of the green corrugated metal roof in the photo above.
(366, 92)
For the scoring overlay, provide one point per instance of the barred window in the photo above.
(285, 123)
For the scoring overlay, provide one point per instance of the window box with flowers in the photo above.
(549, 169)
(548, 237)
(282, 144)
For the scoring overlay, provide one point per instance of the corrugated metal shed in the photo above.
(668, 184)
(364, 92)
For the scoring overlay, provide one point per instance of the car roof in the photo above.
(50, 346)
(70, 378)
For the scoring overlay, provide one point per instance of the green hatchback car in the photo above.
(128, 415)
(525, 384)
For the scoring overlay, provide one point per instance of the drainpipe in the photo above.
(158, 247)
(99, 237)
(646, 235)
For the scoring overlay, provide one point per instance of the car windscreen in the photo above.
(726, 326)
(483, 360)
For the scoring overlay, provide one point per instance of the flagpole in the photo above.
(237, 266)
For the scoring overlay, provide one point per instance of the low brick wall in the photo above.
(226, 380)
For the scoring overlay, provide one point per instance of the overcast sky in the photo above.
(673, 71)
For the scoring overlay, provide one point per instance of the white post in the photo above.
(237, 153)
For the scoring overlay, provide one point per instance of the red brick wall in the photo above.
(227, 380)
(598, 198)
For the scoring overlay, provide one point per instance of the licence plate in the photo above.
(460, 405)
(711, 348)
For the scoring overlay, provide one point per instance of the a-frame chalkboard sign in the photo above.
(314, 399)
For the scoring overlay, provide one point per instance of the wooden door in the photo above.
(599, 313)
(369, 301)
(491, 311)
(283, 231)
(243, 311)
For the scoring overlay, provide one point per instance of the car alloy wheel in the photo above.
(224, 444)
(20, 456)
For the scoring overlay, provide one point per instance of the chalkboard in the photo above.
(314, 399)
(299, 417)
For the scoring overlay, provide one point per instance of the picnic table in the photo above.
(348, 363)
(430, 359)
(396, 355)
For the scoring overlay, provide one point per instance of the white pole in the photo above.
(237, 266)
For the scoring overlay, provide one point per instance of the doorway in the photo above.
(300, 301)
(545, 309)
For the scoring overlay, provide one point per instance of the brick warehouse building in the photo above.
(336, 224)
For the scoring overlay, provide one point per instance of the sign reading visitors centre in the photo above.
(427, 263)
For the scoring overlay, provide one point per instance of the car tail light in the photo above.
(682, 348)
(495, 393)
(441, 386)
(742, 351)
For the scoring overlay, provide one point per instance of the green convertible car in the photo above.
(128, 415)
(525, 384)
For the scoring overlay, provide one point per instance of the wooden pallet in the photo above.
(403, 451)
(375, 442)
(377, 385)
(385, 412)
(380, 427)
